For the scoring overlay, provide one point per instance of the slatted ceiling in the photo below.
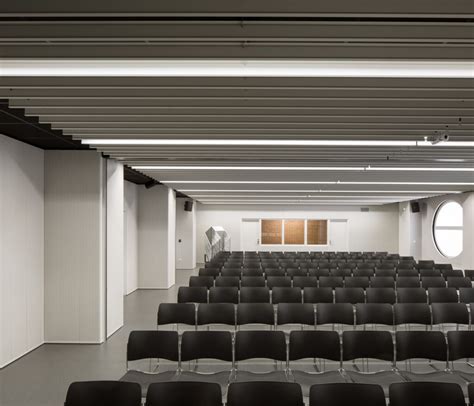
(257, 108)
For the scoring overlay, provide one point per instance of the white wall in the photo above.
(376, 230)
(429, 250)
(410, 231)
(131, 237)
(185, 236)
(21, 249)
(74, 247)
(115, 246)
(156, 237)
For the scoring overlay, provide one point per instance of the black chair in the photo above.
(374, 313)
(460, 346)
(469, 273)
(313, 345)
(411, 295)
(255, 295)
(378, 345)
(279, 281)
(412, 313)
(224, 295)
(292, 272)
(206, 281)
(380, 295)
(261, 344)
(367, 272)
(335, 313)
(341, 272)
(345, 394)
(442, 295)
(227, 282)
(450, 313)
(318, 273)
(426, 264)
(296, 313)
(318, 295)
(331, 282)
(264, 393)
(444, 267)
(286, 295)
(305, 282)
(408, 273)
(193, 294)
(151, 345)
(459, 282)
(176, 313)
(231, 272)
(426, 273)
(103, 393)
(452, 272)
(433, 282)
(212, 272)
(408, 282)
(271, 272)
(357, 282)
(471, 394)
(216, 313)
(350, 295)
(252, 272)
(184, 394)
(426, 393)
(252, 281)
(466, 295)
(382, 282)
(255, 313)
(386, 272)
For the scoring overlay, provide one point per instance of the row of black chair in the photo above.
(305, 314)
(318, 279)
(287, 294)
(265, 393)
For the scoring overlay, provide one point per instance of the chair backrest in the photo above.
(357, 282)
(367, 344)
(286, 295)
(387, 272)
(224, 295)
(433, 282)
(206, 345)
(227, 281)
(420, 344)
(212, 272)
(426, 393)
(252, 272)
(216, 313)
(442, 295)
(456, 313)
(206, 281)
(292, 272)
(264, 393)
(260, 344)
(380, 295)
(236, 272)
(331, 282)
(460, 345)
(104, 393)
(278, 281)
(374, 313)
(318, 295)
(184, 394)
(314, 344)
(412, 313)
(382, 282)
(255, 295)
(407, 273)
(252, 281)
(471, 393)
(334, 313)
(451, 272)
(153, 344)
(408, 282)
(350, 295)
(367, 272)
(296, 313)
(318, 273)
(459, 282)
(430, 272)
(255, 313)
(425, 264)
(176, 313)
(342, 272)
(345, 394)
(305, 281)
(466, 295)
(411, 295)
(274, 272)
(195, 294)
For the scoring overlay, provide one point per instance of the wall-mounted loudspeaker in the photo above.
(188, 205)
(415, 207)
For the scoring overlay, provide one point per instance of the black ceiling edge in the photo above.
(181, 195)
(136, 177)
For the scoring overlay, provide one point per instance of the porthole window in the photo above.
(448, 229)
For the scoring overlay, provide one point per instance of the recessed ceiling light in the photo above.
(237, 68)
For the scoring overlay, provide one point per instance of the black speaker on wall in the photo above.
(415, 207)
(188, 205)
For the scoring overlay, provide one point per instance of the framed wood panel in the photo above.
(271, 232)
(294, 232)
(317, 232)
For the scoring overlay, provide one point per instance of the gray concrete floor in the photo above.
(41, 378)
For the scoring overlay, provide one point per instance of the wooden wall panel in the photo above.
(271, 232)
(317, 232)
(294, 232)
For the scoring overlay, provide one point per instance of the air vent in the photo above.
(364, 209)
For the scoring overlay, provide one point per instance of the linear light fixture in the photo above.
(296, 168)
(265, 182)
(236, 68)
(355, 196)
(314, 191)
(267, 142)
(300, 203)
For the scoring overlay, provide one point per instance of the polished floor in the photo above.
(42, 377)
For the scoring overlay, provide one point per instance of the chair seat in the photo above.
(247, 376)
(145, 380)
(383, 379)
(439, 376)
(306, 380)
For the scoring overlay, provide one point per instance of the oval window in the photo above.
(448, 229)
